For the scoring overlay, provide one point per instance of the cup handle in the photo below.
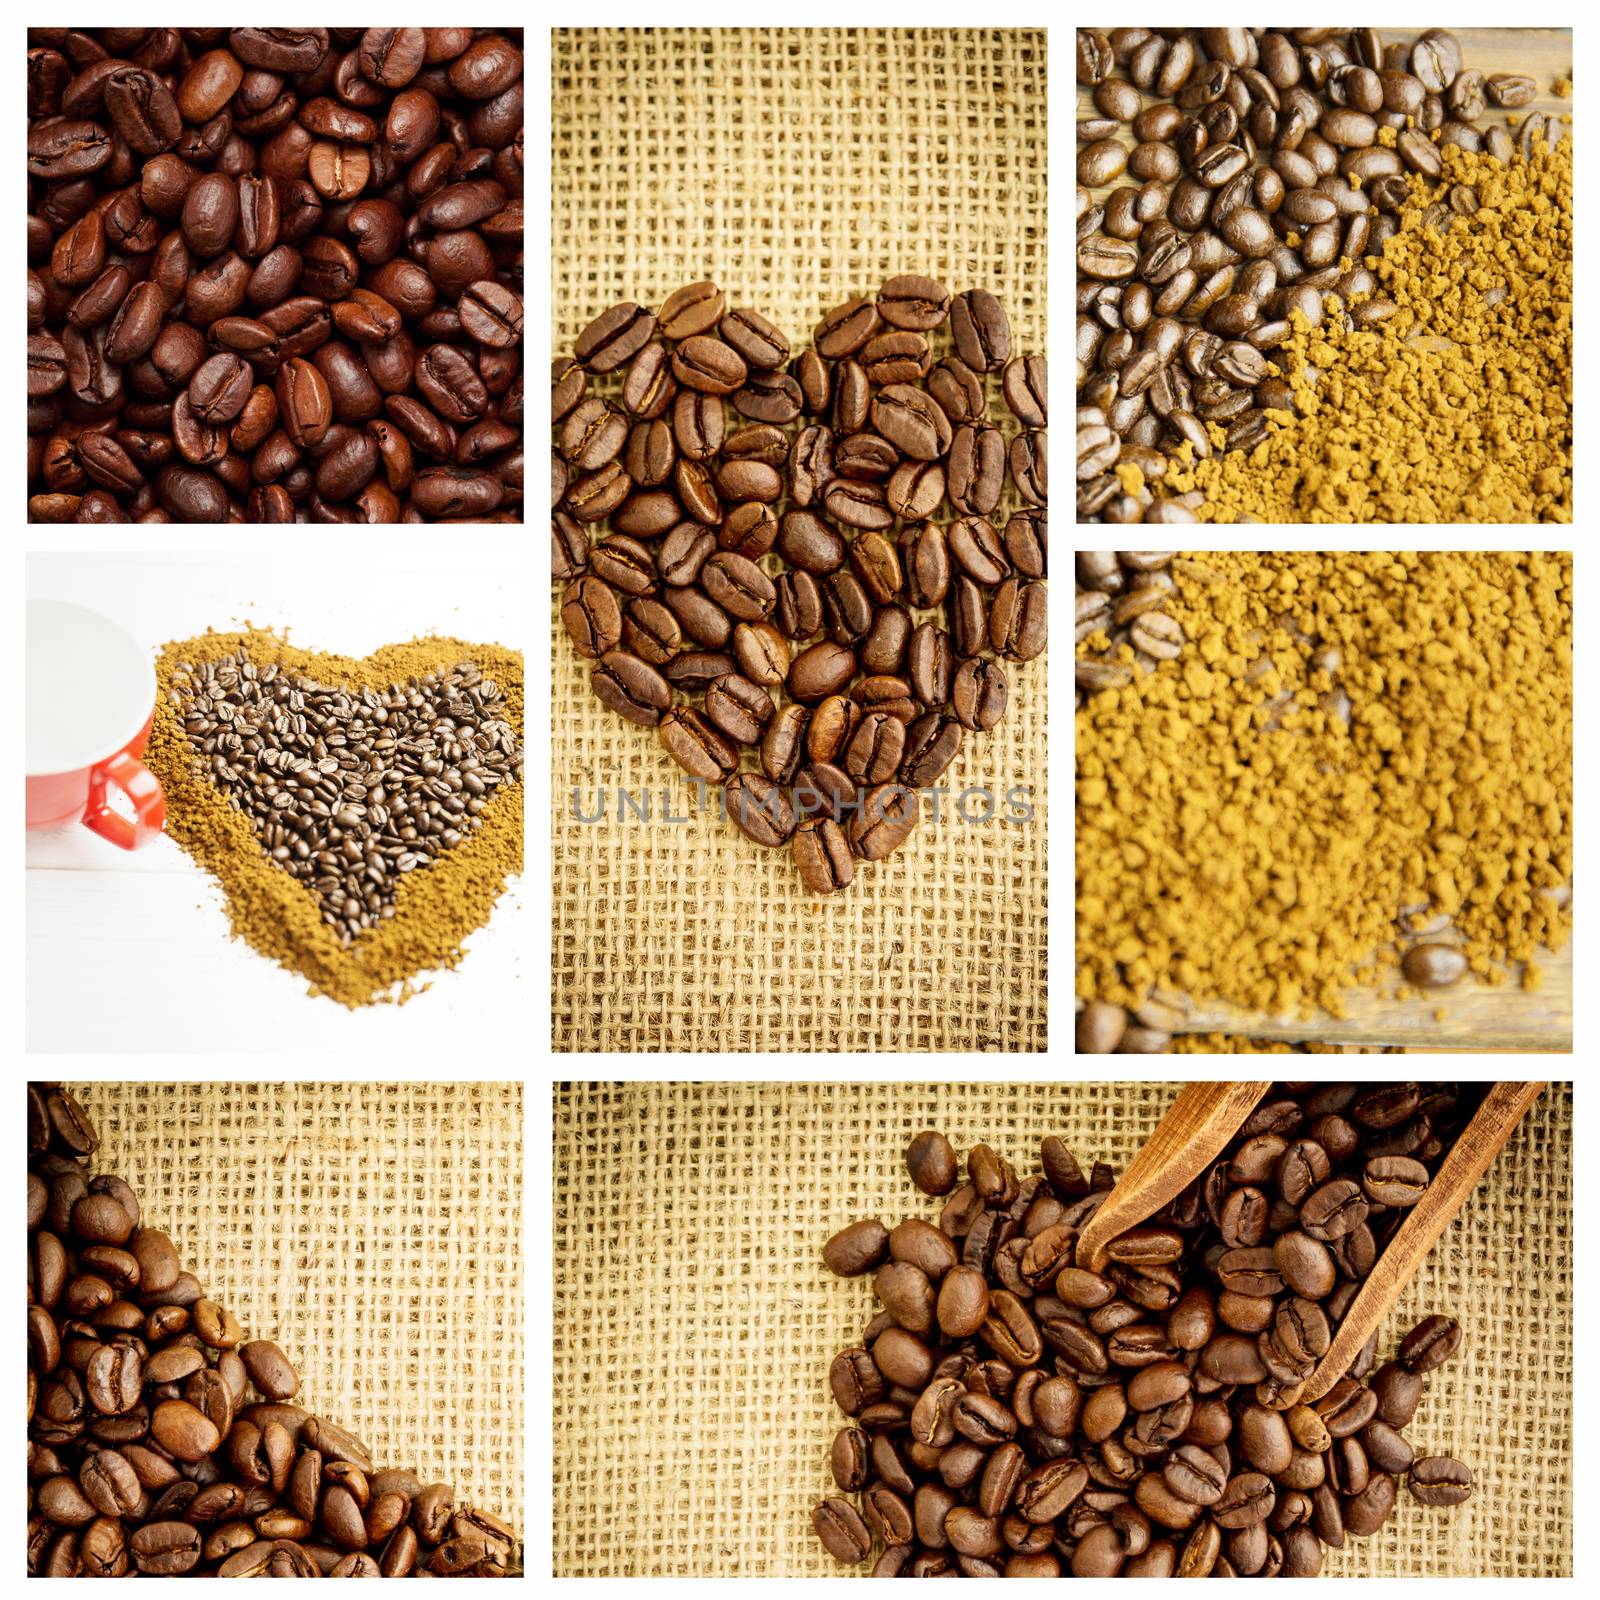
(138, 783)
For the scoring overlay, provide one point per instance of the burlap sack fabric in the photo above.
(371, 1230)
(694, 1321)
(797, 169)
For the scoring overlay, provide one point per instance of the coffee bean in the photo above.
(630, 687)
(931, 743)
(822, 856)
(697, 746)
(1440, 1481)
(592, 617)
(760, 809)
(353, 791)
(1019, 618)
(740, 708)
(1433, 966)
(883, 821)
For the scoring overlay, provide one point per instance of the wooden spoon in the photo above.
(1197, 1128)
(1193, 1133)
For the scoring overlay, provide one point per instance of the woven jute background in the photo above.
(373, 1231)
(694, 1320)
(797, 169)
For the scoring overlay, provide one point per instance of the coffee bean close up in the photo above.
(1010, 1413)
(147, 1454)
(797, 570)
(274, 275)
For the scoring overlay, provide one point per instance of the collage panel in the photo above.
(1089, 1329)
(273, 804)
(275, 1329)
(799, 538)
(1325, 275)
(1325, 801)
(274, 275)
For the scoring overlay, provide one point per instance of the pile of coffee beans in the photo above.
(348, 790)
(1011, 1413)
(839, 465)
(1254, 186)
(275, 275)
(146, 1453)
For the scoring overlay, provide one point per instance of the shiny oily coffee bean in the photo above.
(875, 748)
(823, 790)
(1026, 542)
(1118, 99)
(885, 692)
(760, 809)
(592, 617)
(798, 609)
(832, 724)
(695, 670)
(630, 687)
(1439, 1481)
(931, 744)
(967, 616)
(883, 821)
(978, 693)
(884, 647)
(700, 617)
(930, 664)
(1018, 620)
(683, 553)
(977, 549)
(651, 631)
(783, 744)
(844, 1535)
(739, 708)
(748, 530)
(846, 608)
(820, 670)
(822, 857)
(696, 308)
(623, 563)
(569, 549)
(762, 653)
(697, 747)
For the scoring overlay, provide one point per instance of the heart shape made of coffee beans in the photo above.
(661, 519)
(361, 814)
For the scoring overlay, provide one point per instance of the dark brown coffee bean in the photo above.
(592, 617)
(630, 687)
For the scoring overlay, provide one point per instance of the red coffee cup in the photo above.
(91, 698)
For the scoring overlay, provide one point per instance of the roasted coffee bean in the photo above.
(696, 746)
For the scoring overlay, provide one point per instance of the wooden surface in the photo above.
(1478, 1016)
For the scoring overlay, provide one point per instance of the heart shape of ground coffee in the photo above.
(340, 799)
